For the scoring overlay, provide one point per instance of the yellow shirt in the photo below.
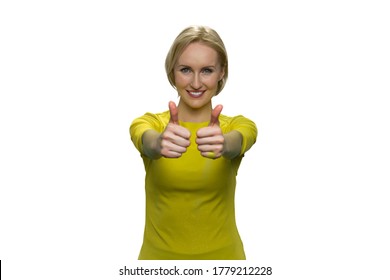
(190, 200)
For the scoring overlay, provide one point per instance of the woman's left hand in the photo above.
(210, 139)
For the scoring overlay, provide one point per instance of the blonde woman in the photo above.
(191, 154)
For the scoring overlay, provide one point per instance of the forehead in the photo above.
(198, 53)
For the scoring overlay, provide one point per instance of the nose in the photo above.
(196, 82)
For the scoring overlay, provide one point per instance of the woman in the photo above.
(191, 154)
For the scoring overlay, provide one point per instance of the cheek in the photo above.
(211, 82)
(181, 80)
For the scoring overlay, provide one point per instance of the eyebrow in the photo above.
(209, 66)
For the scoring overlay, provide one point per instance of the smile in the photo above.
(195, 94)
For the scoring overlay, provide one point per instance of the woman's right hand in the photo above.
(175, 139)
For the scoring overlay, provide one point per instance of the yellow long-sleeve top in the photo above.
(190, 200)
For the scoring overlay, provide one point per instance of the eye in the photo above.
(207, 70)
(185, 70)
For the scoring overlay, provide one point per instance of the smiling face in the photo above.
(197, 73)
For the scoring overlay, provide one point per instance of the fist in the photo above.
(175, 139)
(210, 139)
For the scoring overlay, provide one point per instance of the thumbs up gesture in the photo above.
(210, 139)
(175, 139)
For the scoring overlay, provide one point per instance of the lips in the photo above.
(195, 94)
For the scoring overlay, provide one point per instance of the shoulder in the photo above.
(153, 118)
(162, 117)
(244, 125)
(234, 120)
(156, 121)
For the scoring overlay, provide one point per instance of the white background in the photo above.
(311, 199)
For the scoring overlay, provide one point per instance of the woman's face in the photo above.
(197, 73)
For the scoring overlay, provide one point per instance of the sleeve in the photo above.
(142, 124)
(248, 130)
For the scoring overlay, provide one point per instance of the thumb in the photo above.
(215, 115)
(173, 112)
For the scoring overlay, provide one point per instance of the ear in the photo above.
(222, 74)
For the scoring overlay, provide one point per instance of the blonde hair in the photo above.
(191, 34)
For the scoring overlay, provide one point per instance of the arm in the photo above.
(151, 144)
(212, 143)
(232, 144)
(171, 143)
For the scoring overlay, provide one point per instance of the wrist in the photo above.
(232, 144)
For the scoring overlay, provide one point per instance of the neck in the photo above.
(188, 114)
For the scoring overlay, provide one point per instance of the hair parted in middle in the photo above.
(192, 34)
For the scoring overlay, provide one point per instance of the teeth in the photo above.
(196, 93)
